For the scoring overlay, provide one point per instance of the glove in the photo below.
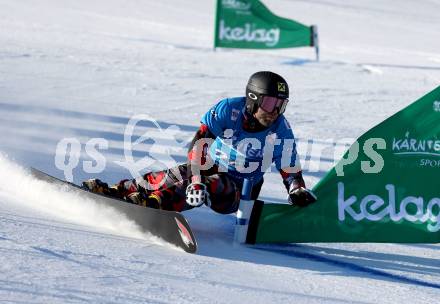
(197, 195)
(301, 197)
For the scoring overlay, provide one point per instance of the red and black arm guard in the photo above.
(292, 180)
(197, 152)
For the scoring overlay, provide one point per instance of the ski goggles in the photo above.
(270, 104)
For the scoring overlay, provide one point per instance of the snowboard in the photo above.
(170, 226)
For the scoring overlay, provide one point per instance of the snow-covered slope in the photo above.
(82, 69)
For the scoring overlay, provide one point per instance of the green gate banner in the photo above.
(386, 188)
(249, 24)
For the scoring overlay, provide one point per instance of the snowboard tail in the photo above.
(170, 226)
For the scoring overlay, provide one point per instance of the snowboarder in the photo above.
(233, 133)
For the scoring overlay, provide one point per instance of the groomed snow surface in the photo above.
(80, 70)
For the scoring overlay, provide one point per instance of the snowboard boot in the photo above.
(155, 200)
(151, 201)
(96, 186)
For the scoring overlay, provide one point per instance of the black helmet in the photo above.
(264, 83)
